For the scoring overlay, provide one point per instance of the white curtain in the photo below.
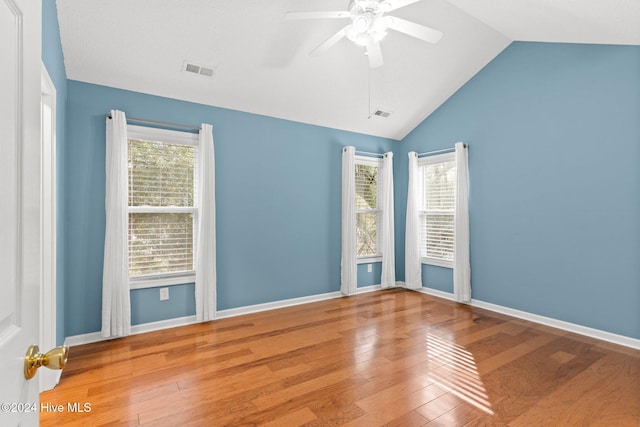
(462, 267)
(412, 265)
(349, 272)
(387, 238)
(206, 238)
(116, 305)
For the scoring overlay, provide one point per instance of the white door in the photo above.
(20, 52)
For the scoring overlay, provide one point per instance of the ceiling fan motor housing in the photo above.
(369, 25)
(368, 22)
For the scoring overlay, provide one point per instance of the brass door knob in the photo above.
(54, 359)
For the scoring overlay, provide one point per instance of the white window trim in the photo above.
(437, 262)
(368, 161)
(170, 137)
(437, 158)
(162, 135)
(422, 162)
(369, 259)
(376, 162)
(162, 279)
(168, 209)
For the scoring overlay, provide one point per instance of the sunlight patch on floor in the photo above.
(458, 374)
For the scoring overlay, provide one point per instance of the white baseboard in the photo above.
(239, 311)
(232, 312)
(561, 324)
(135, 330)
(437, 293)
(256, 308)
(549, 321)
(365, 289)
(222, 314)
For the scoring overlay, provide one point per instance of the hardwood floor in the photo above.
(392, 358)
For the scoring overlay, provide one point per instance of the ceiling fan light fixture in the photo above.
(368, 25)
(362, 40)
(379, 28)
(361, 23)
(368, 22)
(385, 6)
(380, 24)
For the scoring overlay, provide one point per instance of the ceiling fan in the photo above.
(369, 25)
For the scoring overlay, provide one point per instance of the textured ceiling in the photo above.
(262, 64)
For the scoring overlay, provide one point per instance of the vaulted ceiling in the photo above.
(261, 63)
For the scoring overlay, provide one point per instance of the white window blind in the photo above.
(437, 213)
(162, 207)
(367, 209)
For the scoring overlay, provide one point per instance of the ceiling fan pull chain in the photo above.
(369, 110)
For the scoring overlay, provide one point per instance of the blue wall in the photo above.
(54, 63)
(554, 135)
(277, 202)
(366, 278)
(554, 143)
(146, 305)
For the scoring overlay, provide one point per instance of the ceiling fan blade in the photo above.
(389, 5)
(329, 42)
(375, 54)
(317, 15)
(412, 29)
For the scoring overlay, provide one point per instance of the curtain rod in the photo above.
(368, 153)
(428, 153)
(173, 125)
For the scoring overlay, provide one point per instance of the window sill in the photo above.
(162, 280)
(369, 260)
(437, 262)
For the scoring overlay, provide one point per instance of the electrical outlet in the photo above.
(369, 268)
(164, 294)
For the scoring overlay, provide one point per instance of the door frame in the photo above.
(48, 378)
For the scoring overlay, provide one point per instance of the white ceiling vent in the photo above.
(201, 70)
(381, 113)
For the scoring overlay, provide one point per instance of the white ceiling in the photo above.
(262, 64)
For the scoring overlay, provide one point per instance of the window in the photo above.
(368, 210)
(437, 209)
(162, 207)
